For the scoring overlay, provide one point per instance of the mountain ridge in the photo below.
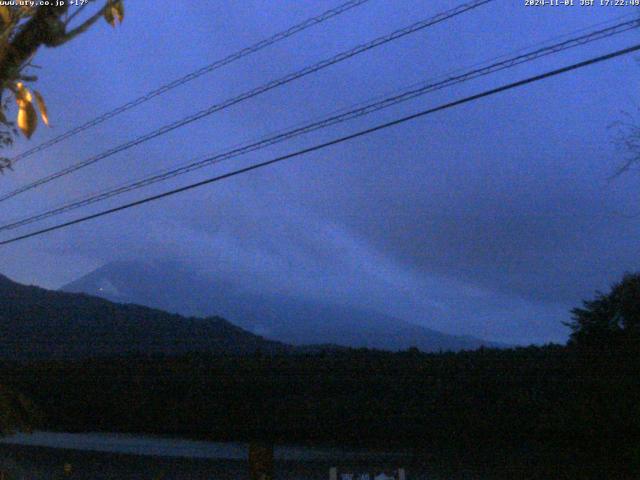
(174, 287)
(39, 323)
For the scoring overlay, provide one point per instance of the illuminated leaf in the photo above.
(27, 118)
(22, 94)
(5, 14)
(42, 106)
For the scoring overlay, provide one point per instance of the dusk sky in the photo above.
(491, 219)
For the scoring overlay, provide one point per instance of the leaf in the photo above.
(114, 12)
(108, 16)
(5, 14)
(42, 107)
(118, 10)
(22, 93)
(27, 118)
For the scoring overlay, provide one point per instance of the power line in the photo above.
(195, 74)
(336, 141)
(410, 93)
(415, 27)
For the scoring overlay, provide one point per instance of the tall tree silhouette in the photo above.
(609, 318)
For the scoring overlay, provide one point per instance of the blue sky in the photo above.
(492, 219)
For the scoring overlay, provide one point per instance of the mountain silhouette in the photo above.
(174, 287)
(38, 323)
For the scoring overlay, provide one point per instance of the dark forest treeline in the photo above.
(555, 405)
(569, 404)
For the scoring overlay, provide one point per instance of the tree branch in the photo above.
(41, 29)
(74, 14)
(44, 28)
(64, 38)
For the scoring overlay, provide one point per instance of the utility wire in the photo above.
(336, 141)
(404, 96)
(253, 93)
(310, 22)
